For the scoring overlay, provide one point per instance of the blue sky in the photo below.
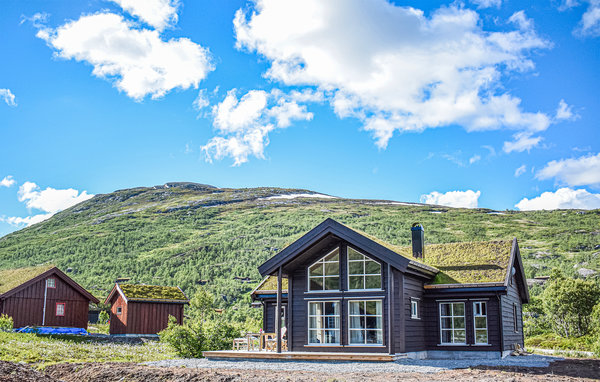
(488, 103)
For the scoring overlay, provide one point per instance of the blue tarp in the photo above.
(51, 330)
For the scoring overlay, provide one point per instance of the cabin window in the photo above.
(515, 320)
(480, 322)
(365, 322)
(325, 273)
(51, 283)
(452, 323)
(119, 310)
(363, 272)
(60, 308)
(324, 322)
(414, 308)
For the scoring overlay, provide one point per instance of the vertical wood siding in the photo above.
(118, 322)
(511, 336)
(26, 306)
(414, 328)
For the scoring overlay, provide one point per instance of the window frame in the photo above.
(475, 329)
(348, 329)
(119, 311)
(414, 314)
(515, 320)
(452, 317)
(53, 286)
(64, 309)
(338, 329)
(364, 274)
(323, 277)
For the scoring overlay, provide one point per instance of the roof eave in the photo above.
(466, 285)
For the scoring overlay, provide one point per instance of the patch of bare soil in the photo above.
(14, 372)
(569, 370)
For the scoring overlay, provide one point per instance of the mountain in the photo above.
(190, 234)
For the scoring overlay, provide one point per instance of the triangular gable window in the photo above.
(363, 272)
(325, 273)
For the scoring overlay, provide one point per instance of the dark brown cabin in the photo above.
(347, 291)
(43, 296)
(144, 309)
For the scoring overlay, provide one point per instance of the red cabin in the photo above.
(43, 296)
(144, 309)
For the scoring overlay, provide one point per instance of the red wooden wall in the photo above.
(27, 305)
(142, 317)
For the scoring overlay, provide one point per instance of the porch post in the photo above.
(278, 312)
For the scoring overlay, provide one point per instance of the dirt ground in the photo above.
(567, 370)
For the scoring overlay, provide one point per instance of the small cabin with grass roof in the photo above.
(347, 291)
(144, 309)
(43, 296)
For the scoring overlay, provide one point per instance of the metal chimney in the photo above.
(418, 241)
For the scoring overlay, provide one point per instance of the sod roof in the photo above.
(467, 263)
(12, 278)
(270, 284)
(152, 293)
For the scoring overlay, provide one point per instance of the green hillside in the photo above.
(188, 235)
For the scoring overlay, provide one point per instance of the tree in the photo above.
(568, 304)
(202, 305)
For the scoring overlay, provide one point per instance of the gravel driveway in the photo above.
(399, 366)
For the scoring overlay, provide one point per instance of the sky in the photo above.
(480, 103)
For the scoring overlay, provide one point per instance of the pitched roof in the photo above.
(269, 284)
(467, 263)
(150, 293)
(14, 280)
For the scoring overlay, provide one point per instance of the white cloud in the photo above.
(201, 101)
(157, 13)
(458, 199)
(50, 200)
(138, 61)
(589, 25)
(563, 198)
(487, 3)
(564, 111)
(8, 181)
(474, 158)
(393, 67)
(522, 141)
(520, 171)
(8, 97)
(580, 171)
(244, 123)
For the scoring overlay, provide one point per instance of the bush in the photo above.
(568, 304)
(219, 334)
(103, 317)
(6, 323)
(187, 340)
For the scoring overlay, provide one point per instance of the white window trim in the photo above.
(308, 328)
(339, 276)
(119, 310)
(283, 310)
(53, 286)
(382, 324)
(452, 330)
(475, 325)
(515, 317)
(380, 274)
(413, 315)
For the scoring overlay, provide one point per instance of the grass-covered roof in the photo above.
(12, 278)
(270, 284)
(467, 263)
(152, 293)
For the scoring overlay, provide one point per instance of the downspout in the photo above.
(45, 297)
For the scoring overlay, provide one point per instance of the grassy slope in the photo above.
(184, 235)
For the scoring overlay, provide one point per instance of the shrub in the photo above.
(103, 317)
(219, 334)
(6, 323)
(187, 340)
(568, 304)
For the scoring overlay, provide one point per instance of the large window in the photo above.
(323, 322)
(452, 323)
(480, 322)
(365, 322)
(363, 273)
(325, 273)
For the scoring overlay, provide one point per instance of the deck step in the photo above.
(301, 356)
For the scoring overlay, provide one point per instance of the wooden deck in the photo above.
(300, 356)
